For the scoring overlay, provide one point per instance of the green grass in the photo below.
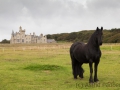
(48, 67)
(38, 67)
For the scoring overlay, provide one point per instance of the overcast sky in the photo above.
(57, 16)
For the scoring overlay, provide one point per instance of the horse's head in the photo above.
(99, 34)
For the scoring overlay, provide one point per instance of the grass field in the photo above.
(48, 67)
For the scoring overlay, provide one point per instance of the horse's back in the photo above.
(78, 52)
(74, 45)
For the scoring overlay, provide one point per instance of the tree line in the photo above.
(5, 41)
(109, 36)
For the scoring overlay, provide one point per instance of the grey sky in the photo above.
(57, 16)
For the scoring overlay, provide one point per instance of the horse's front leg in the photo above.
(95, 70)
(91, 71)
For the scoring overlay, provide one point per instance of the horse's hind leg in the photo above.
(81, 71)
(74, 68)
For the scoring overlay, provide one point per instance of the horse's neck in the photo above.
(93, 45)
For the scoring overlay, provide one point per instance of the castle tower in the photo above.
(20, 28)
(41, 35)
(12, 33)
(33, 33)
(21, 31)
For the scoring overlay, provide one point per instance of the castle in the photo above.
(21, 37)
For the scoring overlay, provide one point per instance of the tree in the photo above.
(5, 41)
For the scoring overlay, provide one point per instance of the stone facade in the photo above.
(21, 37)
(51, 41)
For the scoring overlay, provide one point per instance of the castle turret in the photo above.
(12, 33)
(34, 33)
(41, 35)
(22, 32)
(20, 28)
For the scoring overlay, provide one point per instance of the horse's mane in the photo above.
(92, 38)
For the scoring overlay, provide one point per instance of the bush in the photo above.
(5, 41)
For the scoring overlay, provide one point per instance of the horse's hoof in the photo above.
(75, 78)
(96, 80)
(91, 81)
(81, 78)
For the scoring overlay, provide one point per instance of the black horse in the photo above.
(87, 53)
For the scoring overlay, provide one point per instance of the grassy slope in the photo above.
(48, 67)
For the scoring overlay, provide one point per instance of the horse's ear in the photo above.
(97, 28)
(101, 28)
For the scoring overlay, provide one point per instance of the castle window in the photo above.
(22, 40)
(18, 40)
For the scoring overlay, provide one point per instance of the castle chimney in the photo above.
(20, 28)
(41, 34)
(33, 33)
